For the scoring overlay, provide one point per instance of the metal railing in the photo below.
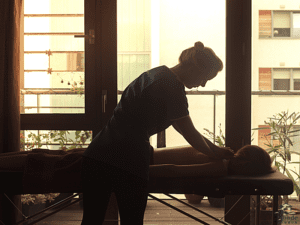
(161, 137)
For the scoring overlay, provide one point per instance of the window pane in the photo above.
(296, 78)
(54, 139)
(281, 73)
(56, 24)
(296, 84)
(42, 7)
(296, 25)
(296, 73)
(281, 24)
(281, 84)
(281, 20)
(154, 33)
(151, 34)
(54, 70)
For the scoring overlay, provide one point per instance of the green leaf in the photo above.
(296, 187)
(293, 131)
(261, 128)
(297, 117)
(293, 152)
(289, 140)
(288, 154)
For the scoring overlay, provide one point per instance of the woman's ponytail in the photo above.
(199, 46)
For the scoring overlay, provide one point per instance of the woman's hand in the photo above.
(222, 152)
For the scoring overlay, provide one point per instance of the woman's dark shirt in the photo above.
(147, 106)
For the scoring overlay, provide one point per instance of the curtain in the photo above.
(10, 53)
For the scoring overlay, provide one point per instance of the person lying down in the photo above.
(250, 160)
(180, 161)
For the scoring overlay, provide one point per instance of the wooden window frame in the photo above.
(101, 68)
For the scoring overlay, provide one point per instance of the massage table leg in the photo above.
(50, 207)
(257, 209)
(275, 214)
(189, 215)
(275, 209)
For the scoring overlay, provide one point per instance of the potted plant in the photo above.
(279, 143)
(194, 198)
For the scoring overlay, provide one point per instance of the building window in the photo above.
(296, 78)
(279, 24)
(279, 79)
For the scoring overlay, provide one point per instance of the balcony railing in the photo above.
(161, 137)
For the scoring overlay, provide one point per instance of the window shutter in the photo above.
(265, 79)
(263, 139)
(265, 24)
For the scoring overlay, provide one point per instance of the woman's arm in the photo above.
(180, 155)
(187, 129)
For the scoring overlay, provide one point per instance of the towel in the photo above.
(58, 171)
(52, 171)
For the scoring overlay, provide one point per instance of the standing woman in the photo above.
(119, 156)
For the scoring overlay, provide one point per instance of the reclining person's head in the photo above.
(250, 160)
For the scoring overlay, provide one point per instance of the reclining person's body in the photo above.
(249, 160)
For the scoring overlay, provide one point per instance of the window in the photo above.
(279, 24)
(60, 81)
(279, 79)
(54, 139)
(296, 79)
(134, 40)
(54, 71)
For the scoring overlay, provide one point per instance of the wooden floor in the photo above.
(156, 214)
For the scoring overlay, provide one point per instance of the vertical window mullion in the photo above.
(272, 79)
(272, 27)
(292, 29)
(291, 80)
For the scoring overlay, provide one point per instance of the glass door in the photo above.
(275, 81)
(57, 86)
(153, 33)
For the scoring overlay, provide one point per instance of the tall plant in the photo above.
(279, 142)
(219, 139)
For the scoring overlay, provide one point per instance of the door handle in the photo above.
(104, 100)
(91, 36)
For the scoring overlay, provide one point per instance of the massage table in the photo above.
(58, 171)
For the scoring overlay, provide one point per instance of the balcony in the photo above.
(161, 139)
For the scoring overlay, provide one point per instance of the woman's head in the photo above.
(250, 160)
(201, 64)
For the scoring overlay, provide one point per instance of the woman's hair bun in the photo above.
(199, 46)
